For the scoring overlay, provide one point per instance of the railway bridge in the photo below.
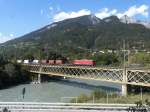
(123, 76)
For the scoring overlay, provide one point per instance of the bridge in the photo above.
(140, 77)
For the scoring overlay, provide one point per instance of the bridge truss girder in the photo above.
(127, 76)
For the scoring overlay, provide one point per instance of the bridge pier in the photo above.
(39, 78)
(39, 75)
(124, 85)
(124, 90)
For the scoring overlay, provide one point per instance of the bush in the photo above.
(98, 94)
(80, 99)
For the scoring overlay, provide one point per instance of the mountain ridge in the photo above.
(92, 22)
(86, 32)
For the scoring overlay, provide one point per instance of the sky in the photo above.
(18, 17)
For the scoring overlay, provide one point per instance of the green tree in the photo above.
(29, 57)
(106, 59)
(140, 58)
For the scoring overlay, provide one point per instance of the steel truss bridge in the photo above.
(121, 76)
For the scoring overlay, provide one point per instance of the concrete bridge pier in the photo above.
(39, 78)
(39, 75)
(36, 79)
(124, 85)
(124, 90)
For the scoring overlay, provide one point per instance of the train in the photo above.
(85, 62)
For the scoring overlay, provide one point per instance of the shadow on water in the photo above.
(85, 85)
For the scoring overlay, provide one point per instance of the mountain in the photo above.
(146, 24)
(111, 20)
(126, 19)
(55, 29)
(85, 32)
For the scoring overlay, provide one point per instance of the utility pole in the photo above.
(124, 54)
(126, 19)
(124, 85)
(40, 54)
(124, 46)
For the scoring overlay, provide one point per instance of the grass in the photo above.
(102, 97)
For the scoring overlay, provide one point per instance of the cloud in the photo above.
(134, 10)
(51, 8)
(51, 11)
(11, 35)
(4, 38)
(105, 12)
(41, 12)
(65, 15)
(130, 12)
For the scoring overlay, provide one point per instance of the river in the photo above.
(55, 90)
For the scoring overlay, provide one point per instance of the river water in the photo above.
(55, 90)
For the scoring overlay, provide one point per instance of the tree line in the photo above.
(11, 74)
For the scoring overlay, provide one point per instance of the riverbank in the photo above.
(99, 96)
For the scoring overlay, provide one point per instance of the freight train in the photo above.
(60, 62)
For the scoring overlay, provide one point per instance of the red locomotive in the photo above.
(84, 62)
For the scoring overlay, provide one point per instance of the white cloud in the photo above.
(105, 13)
(143, 10)
(11, 35)
(4, 38)
(65, 15)
(51, 8)
(41, 12)
(131, 12)
(134, 10)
